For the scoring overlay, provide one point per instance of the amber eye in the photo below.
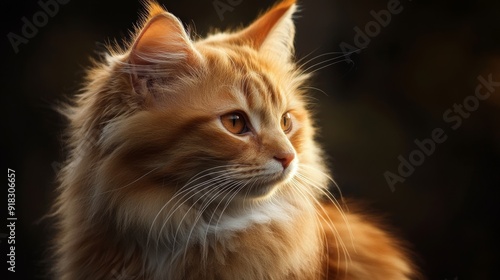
(286, 122)
(234, 123)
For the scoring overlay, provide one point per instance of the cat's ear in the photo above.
(161, 46)
(273, 33)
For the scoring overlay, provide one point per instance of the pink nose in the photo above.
(285, 159)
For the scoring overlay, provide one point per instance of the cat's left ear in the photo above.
(162, 46)
(273, 33)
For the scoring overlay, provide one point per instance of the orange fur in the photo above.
(155, 187)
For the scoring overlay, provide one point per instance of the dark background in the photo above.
(370, 109)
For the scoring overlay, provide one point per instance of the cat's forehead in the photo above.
(248, 80)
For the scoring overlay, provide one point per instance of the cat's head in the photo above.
(222, 118)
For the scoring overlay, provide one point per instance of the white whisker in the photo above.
(184, 191)
(333, 200)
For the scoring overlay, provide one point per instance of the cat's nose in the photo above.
(285, 158)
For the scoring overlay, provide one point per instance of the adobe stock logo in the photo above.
(454, 116)
(225, 6)
(49, 9)
(363, 36)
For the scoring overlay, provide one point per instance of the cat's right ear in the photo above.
(161, 49)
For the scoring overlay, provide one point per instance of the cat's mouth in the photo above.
(265, 183)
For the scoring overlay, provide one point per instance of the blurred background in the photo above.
(372, 105)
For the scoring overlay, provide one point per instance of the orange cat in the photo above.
(197, 160)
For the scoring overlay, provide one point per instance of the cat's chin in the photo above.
(261, 192)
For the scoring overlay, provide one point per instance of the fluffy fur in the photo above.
(156, 187)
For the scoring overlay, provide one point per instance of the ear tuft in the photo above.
(154, 9)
